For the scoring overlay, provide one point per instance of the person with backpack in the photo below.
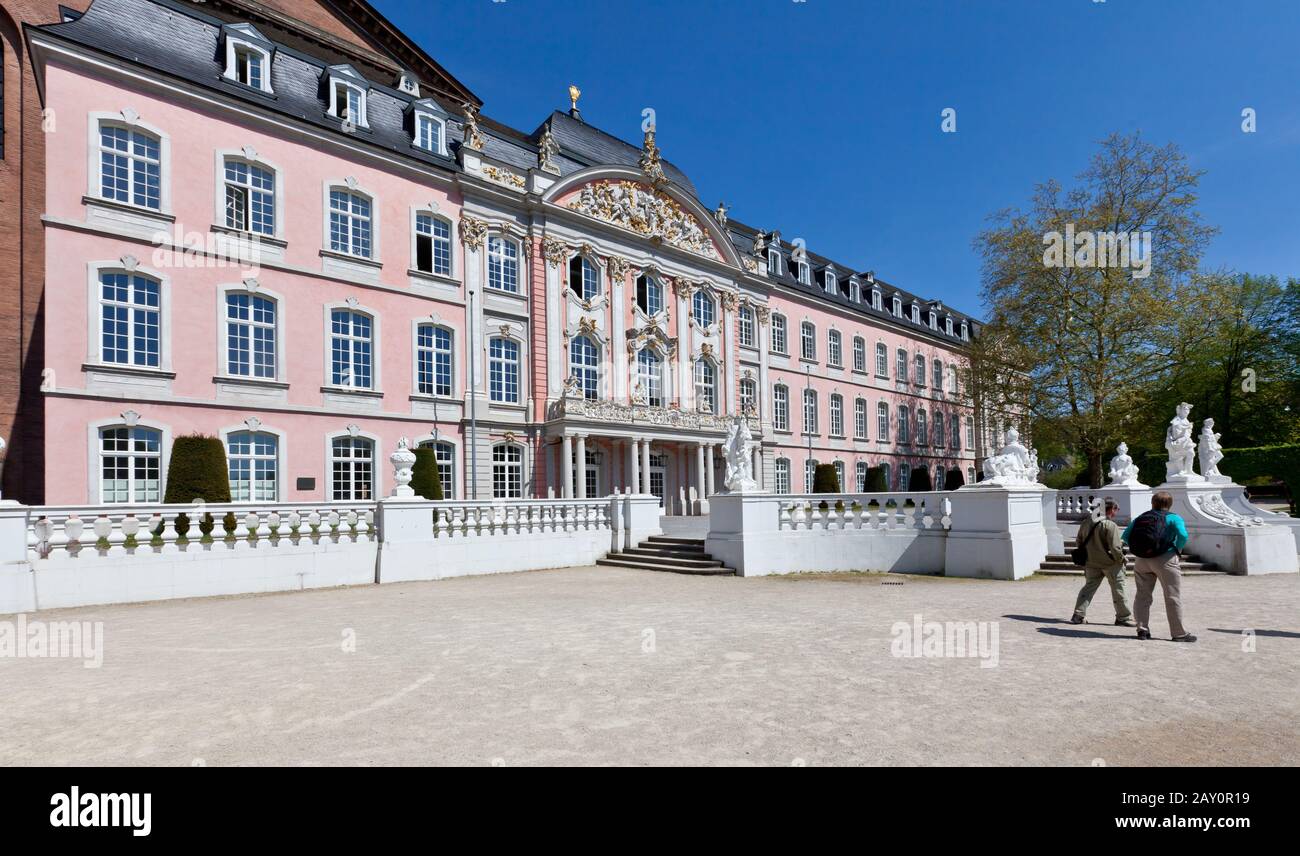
(1100, 541)
(1156, 537)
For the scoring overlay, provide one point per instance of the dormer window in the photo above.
(934, 321)
(774, 262)
(346, 92)
(855, 291)
(965, 332)
(898, 307)
(408, 83)
(916, 314)
(429, 127)
(804, 274)
(832, 283)
(248, 57)
(947, 323)
(875, 298)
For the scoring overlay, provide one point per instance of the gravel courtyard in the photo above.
(606, 666)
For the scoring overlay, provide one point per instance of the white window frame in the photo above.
(837, 415)
(519, 363)
(376, 341)
(429, 441)
(652, 283)
(781, 476)
(421, 114)
(281, 449)
(94, 482)
(416, 214)
(811, 421)
(747, 327)
(131, 122)
(859, 418)
(780, 407)
(356, 190)
(773, 261)
(587, 373)
(707, 387)
(94, 317)
(236, 46)
(882, 359)
(416, 326)
(780, 334)
(518, 467)
(223, 351)
(834, 348)
(807, 341)
(502, 240)
(699, 301)
(360, 86)
(277, 201)
(376, 469)
(804, 273)
(883, 423)
(859, 354)
(653, 382)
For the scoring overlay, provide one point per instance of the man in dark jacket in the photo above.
(1105, 560)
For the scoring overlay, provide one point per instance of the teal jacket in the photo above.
(1171, 519)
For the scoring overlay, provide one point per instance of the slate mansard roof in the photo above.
(182, 42)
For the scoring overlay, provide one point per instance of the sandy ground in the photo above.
(606, 666)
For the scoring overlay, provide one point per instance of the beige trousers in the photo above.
(1165, 569)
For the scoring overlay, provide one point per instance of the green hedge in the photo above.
(197, 472)
(1265, 462)
(425, 479)
(953, 479)
(920, 479)
(876, 482)
(825, 479)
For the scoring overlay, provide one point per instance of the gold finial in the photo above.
(574, 94)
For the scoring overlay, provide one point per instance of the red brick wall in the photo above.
(22, 201)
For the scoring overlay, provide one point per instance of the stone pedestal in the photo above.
(1236, 542)
(998, 531)
(640, 518)
(17, 585)
(1235, 497)
(1132, 499)
(1055, 537)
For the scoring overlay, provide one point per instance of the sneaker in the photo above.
(1144, 634)
(1076, 619)
(1186, 637)
(1125, 622)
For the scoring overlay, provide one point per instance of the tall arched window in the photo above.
(350, 223)
(778, 334)
(937, 374)
(250, 335)
(956, 431)
(939, 437)
(920, 370)
(649, 294)
(130, 464)
(781, 407)
(649, 373)
(584, 277)
(859, 354)
(706, 386)
(884, 471)
(834, 348)
(900, 370)
(882, 421)
(584, 358)
(702, 309)
(432, 244)
(351, 349)
(837, 415)
(922, 430)
(352, 468)
(748, 396)
(860, 418)
(254, 463)
(445, 454)
(507, 471)
(782, 475)
(130, 166)
(747, 337)
(434, 357)
(882, 359)
(250, 197)
(904, 428)
(130, 319)
(807, 341)
(810, 411)
(503, 264)
(503, 370)
(861, 472)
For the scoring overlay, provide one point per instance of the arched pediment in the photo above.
(623, 198)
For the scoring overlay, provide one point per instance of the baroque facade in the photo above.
(262, 237)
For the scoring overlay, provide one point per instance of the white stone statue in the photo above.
(573, 387)
(1013, 464)
(403, 460)
(1122, 469)
(1181, 447)
(739, 450)
(547, 151)
(1211, 453)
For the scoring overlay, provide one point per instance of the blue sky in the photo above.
(822, 118)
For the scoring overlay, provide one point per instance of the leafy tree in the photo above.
(1075, 339)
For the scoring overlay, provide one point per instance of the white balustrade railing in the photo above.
(1075, 504)
(883, 510)
(460, 519)
(55, 532)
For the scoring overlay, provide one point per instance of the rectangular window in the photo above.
(900, 369)
(433, 355)
(351, 348)
(834, 349)
(882, 360)
(860, 419)
(808, 341)
(250, 336)
(248, 68)
(746, 327)
(130, 320)
(778, 334)
(837, 416)
(809, 411)
(432, 244)
(428, 133)
(507, 471)
(882, 421)
(352, 468)
(859, 355)
(782, 475)
(970, 433)
(503, 371)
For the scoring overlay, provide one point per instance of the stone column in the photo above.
(708, 470)
(699, 473)
(633, 471)
(645, 466)
(758, 465)
(566, 467)
(582, 467)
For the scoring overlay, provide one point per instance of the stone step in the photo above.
(666, 539)
(641, 565)
(666, 552)
(699, 561)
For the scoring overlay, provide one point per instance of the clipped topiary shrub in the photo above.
(197, 471)
(953, 479)
(825, 479)
(425, 478)
(920, 480)
(876, 481)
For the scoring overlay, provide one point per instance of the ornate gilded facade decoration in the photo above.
(504, 176)
(646, 212)
(683, 289)
(472, 231)
(750, 265)
(587, 325)
(762, 313)
(650, 159)
(728, 301)
(547, 151)
(618, 268)
(556, 252)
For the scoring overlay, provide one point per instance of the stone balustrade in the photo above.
(883, 510)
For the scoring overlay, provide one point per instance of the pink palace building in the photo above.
(254, 235)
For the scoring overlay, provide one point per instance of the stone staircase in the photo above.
(666, 553)
(1061, 565)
